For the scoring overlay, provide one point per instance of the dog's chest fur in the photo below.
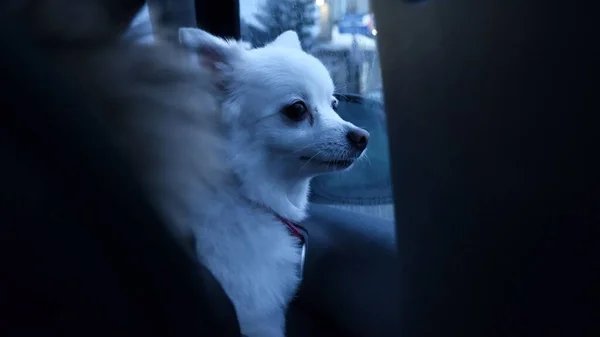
(252, 254)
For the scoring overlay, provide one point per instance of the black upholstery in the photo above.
(350, 281)
(219, 18)
(495, 174)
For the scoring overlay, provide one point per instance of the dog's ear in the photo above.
(287, 39)
(214, 53)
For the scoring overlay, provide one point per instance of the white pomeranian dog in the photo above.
(279, 118)
(225, 142)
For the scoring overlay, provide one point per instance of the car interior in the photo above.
(474, 219)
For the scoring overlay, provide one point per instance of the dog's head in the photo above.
(278, 105)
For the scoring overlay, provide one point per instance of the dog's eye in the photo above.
(296, 111)
(334, 105)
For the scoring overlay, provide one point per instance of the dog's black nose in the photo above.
(358, 138)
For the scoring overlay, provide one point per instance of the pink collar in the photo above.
(292, 226)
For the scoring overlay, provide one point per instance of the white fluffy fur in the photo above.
(239, 238)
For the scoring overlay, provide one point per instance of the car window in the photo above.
(343, 35)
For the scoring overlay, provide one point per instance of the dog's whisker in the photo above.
(340, 155)
(365, 157)
(306, 146)
(311, 158)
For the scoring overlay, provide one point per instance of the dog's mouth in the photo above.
(335, 164)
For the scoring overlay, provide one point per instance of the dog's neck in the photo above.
(263, 183)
